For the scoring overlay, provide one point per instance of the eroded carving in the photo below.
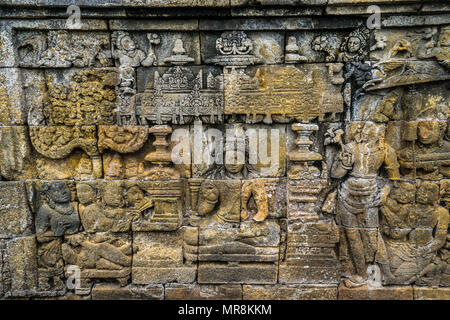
(415, 230)
(99, 256)
(235, 49)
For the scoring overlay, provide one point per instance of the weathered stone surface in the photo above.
(106, 291)
(15, 215)
(431, 293)
(16, 155)
(310, 255)
(20, 264)
(202, 292)
(258, 273)
(159, 259)
(11, 108)
(384, 293)
(247, 254)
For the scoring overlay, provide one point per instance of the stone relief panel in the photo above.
(417, 229)
(160, 258)
(63, 49)
(238, 151)
(283, 92)
(269, 158)
(80, 97)
(180, 95)
(11, 106)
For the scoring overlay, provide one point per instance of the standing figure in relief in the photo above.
(124, 50)
(361, 158)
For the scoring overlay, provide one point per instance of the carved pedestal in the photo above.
(161, 159)
(303, 198)
(310, 253)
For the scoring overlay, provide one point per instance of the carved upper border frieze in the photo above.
(63, 49)
(125, 139)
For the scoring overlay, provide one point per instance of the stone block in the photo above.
(202, 292)
(382, 293)
(21, 263)
(257, 273)
(106, 291)
(15, 216)
(289, 292)
(159, 259)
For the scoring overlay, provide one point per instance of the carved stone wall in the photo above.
(224, 150)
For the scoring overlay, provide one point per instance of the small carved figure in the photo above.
(104, 209)
(398, 209)
(357, 76)
(84, 170)
(113, 166)
(354, 46)
(125, 51)
(431, 230)
(58, 54)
